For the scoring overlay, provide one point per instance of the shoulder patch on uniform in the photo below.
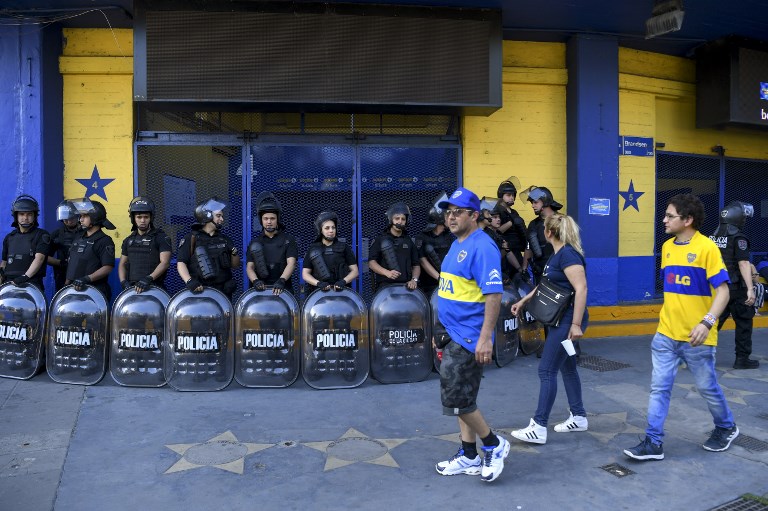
(742, 244)
(110, 250)
(181, 242)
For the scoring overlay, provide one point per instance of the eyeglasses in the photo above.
(670, 217)
(456, 212)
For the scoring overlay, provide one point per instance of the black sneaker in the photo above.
(721, 438)
(746, 363)
(646, 450)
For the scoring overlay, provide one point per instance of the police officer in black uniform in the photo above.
(272, 256)
(92, 255)
(25, 249)
(329, 263)
(489, 221)
(734, 247)
(146, 253)
(61, 241)
(512, 227)
(206, 257)
(539, 250)
(433, 243)
(393, 257)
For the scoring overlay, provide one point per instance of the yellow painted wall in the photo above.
(97, 71)
(527, 136)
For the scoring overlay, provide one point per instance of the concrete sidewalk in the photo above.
(68, 447)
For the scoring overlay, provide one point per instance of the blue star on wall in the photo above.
(95, 184)
(631, 196)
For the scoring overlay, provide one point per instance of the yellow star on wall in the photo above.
(223, 451)
(353, 447)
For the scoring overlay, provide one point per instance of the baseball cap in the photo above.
(462, 198)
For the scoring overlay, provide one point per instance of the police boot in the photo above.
(745, 363)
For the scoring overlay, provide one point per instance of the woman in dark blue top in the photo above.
(566, 268)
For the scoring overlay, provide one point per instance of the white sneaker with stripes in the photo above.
(534, 433)
(573, 423)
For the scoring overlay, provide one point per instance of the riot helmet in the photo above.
(95, 210)
(736, 213)
(436, 215)
(24, 204)
(66, 211)
(321, 219)
(399, 208)
(141, 204)
(535, 193)
(205, 210)
(509, 185)
(268, 203)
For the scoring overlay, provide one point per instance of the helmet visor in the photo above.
(83, 206)
(66, 211)
(214, 204)
(488, 203)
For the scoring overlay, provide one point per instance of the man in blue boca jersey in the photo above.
(469, 298)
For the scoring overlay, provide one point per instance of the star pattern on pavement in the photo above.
(732, 395)
(223, 451)
(95, 184)
(606, 426)
(631, 196)
(356, 447)
(514, 444)
(745, 374)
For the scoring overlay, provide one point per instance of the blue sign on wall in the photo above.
(635, 146)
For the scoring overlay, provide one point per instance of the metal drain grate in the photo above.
(742, 504)
(617, 470)
(600, 364)
(751, 443)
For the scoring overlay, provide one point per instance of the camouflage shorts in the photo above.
(460, 376)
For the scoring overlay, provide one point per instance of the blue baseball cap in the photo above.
(462, 198)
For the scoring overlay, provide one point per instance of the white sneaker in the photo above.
(460, 464)
(534, 433)
(573, 423)
(493, 460)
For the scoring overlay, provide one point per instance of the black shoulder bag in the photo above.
(549, 302)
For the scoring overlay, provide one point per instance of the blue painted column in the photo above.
(592, 97)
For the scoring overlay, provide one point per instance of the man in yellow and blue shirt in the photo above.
(695, 294)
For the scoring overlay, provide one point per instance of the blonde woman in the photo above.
(566, 268)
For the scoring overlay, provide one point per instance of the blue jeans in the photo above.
(554, 359)
(667, 355)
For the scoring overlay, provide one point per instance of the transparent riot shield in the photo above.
(77, 336)
(507, 339)
(199, 353)
(334, 333)
(22, 331)
(138, 329)
(266, 335)
(401, 333)
(438, 332)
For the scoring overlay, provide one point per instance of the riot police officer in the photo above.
(393, 257)
(432, 244)
(272, 256)
(512, 226)
(329, 262)
(489, 221)
(734, 247)
(146, 253)
(92, 255)
(61, 241)
(25, 249)
(539, 250)
(206, 257)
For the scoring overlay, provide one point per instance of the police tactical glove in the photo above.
(125, 284)
(144, 284)
(258, 285)
(280, 284)
(340, 284)
(21, 279)
(193, 284)
(82, 283)
(323, 285)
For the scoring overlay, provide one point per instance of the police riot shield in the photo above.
(77, 336)
(22, 331)
(439, 334)
(401, 332)
(334, 333)
(507, 339)
(531, 331)
(199, 353)
(137, 349)
(266, 335)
